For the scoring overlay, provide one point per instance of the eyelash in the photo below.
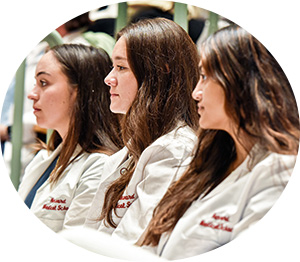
(43, 83)
(120, 68)
(202, 77)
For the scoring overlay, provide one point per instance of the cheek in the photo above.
(218, 109)
(131, 91)
(133, 95)
(214, 115)
(127, 100)
(216, 100)
(51, 103)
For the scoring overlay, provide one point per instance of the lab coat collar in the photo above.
(122, 155)
(111, 171)
(114, 162)
(257, 153)
(38, 166)
(50, 156)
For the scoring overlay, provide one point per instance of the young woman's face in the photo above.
(53, 98)
(211, 104)
(122, 82)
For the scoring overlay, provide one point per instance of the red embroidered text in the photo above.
(49, 207)
(216, 226)
(124, 205)
(127, 197)
(216, 217)
(128, 203)
(63, 201)
(53, 205)
(57, 208)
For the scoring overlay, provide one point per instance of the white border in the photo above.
(25, 23)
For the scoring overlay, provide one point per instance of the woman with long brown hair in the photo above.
(70, 98)
(154, 73)
(248, 142)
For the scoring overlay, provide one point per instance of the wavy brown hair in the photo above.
(261, 102)
(92, 126)
(164, 61)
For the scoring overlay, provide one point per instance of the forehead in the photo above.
(120, 50)
(48, 63)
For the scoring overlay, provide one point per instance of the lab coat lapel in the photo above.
(66, 171)
(234, 176)
(258, 155)
(113, 162)
(41, 163)
(111, 171)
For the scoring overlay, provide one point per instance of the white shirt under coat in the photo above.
(236, 204)
(159, 165)
(66, 203)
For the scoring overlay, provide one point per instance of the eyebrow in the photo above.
(119, 58)
(41, 73)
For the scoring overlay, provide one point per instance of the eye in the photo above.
(121, 67)
(43, 83)
(118, 67)
(202, 77)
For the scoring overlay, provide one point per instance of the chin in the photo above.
(117, 111)
(202, 126)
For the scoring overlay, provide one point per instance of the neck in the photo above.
(62, 133)
(243, 145)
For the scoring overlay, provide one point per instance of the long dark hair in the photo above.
(261, 102)
(164, 60)
(92, 126)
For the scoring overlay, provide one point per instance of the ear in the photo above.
(73, 93)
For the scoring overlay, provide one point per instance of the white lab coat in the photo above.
(66, 203)
(242, 199)
(159, 165)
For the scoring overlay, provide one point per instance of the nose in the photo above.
(110, 79)
(197, 93)
(33, 95)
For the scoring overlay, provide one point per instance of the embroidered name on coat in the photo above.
(128, 203)
(54, 207)
(216, 225)
(63, 201)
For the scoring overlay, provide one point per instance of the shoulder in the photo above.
(178, 137)
(177, 144)
(92, 159)
(276, 163)
(274, 171)
(89, 166)
(43, 157)
(44, 154)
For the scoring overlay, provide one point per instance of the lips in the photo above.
(200, 108)
(112, 95)
(36, 109)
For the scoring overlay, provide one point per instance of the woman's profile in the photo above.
(70, 98)
(247, 146)
(154, 72)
